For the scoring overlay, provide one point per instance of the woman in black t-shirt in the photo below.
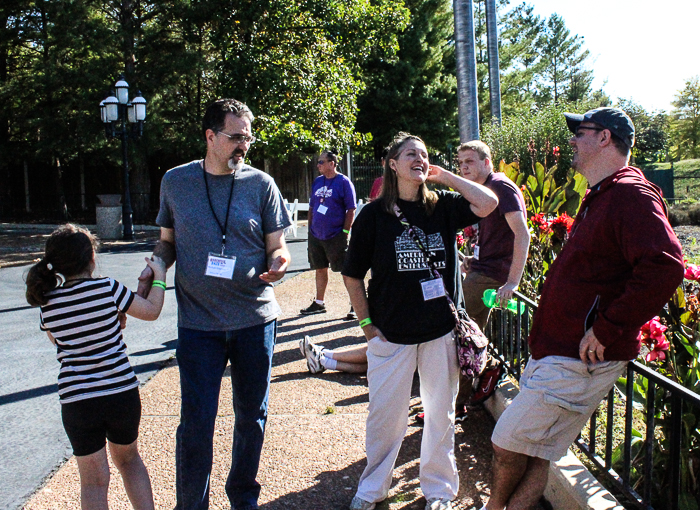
(406, 317)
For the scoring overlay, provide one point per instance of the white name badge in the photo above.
(322, 209)
(476, 252)
(432, 289)
(220, 266)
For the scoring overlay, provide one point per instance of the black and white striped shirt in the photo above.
(83, 320)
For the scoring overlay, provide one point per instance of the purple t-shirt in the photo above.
(338, 195)
(495, 235)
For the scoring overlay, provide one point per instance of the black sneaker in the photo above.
(351, 316)
(313, 308)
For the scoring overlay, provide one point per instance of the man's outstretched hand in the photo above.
(277, 270)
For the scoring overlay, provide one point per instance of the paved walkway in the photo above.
(314, 447)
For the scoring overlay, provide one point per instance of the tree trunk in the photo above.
(494, 74)
(60, 194)
(468, 101)
(26, 187)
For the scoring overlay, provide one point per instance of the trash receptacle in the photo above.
(109, 217)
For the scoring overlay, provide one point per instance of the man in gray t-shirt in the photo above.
(224, 222)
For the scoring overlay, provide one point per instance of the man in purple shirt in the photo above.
(502, 243)
(331, 213)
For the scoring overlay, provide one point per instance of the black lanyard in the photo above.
(228, 208)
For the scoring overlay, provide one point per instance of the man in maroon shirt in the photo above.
(501, 248)
(621, 264)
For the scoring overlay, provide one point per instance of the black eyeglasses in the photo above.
(579, 135)
(320, 162)
(238, 138)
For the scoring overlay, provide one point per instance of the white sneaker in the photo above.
(360, 504)
(438, 504)
(312, 353)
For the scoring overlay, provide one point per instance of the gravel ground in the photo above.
(314, 446)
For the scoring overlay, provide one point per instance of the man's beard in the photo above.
(235, 166)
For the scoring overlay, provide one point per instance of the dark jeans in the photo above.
(202, 357)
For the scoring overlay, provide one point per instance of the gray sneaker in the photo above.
(361, 504)
(312, 353)
(438, 504)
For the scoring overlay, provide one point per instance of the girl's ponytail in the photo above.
(41, 278)
(69, 251)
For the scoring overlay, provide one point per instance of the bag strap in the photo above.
(428, 257)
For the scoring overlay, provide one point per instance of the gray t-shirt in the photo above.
(208, 303)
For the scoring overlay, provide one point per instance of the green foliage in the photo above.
(417, 91)
(651, 132)
(681, 363)
(564, 59)
(550, 209)
(686, 120)
(542, 195)
(529, 138)
(299, 66)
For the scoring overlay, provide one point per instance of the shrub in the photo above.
(678, 216)
(530, 138)
(694, 214)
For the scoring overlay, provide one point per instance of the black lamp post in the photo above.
(124, 120)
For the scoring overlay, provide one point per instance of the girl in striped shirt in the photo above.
(82, 315)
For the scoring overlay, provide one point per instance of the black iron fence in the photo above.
(642, 440)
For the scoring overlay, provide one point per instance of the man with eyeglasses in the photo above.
(223, 221)
(331, 213)
(620, 265)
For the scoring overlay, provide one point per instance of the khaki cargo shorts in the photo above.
(557, 397)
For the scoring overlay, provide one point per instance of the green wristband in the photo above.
(365, 322)
(346, 231)
(159, 283)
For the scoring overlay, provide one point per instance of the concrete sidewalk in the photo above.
(314, 447)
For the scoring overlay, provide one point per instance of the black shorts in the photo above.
(329, 252)
(115, 417)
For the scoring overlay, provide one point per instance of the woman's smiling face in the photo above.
(411, 164)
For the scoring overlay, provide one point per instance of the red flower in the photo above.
(555, 151)
(540, 221)
(561, 226)
(692, 272)
(564, 220)
(469, 232)
(652, 335)
(460, 241)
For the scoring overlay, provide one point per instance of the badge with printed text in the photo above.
(322, 209)
(476, 252)
(432, 289)
(220, 266)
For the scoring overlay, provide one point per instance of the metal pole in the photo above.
(468, 101)
(494, 75)
(126, 207)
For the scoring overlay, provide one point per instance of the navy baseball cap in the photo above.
(614, 119)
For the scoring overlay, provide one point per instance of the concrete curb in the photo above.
(571, 486)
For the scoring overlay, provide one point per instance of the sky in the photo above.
(639, 49)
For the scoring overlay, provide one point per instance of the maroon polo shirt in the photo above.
(495, 235)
